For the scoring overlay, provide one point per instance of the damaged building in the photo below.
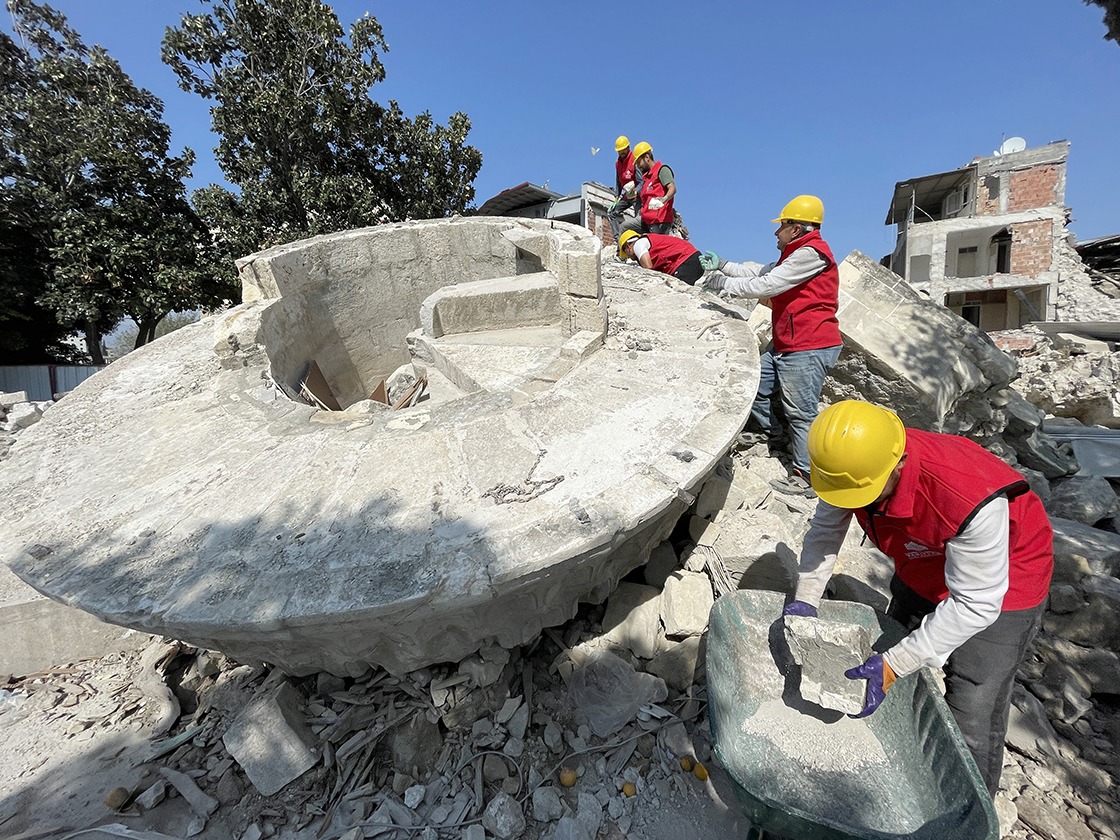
(987, 240)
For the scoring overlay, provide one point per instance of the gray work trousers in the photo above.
(979, 675)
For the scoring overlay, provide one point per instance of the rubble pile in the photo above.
(16, 414)
(579, 734)
(1081, 296)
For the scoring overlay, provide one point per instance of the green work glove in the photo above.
(710, 261)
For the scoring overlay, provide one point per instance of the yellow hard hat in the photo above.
(804, 208)
(622, 143)
(853, 448)
(627, 235)
(641, 149)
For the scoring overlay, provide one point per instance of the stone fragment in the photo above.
(1040, 814)
(503, 817)
(570, 828)
(1098, 622)
(1029, 730)
(719, 498)
(202, 804)
(677, 663)
(474, 832)
(685, 603)
(415, 743)
(546, 804)
(10, 398)
(23, 415)
(1080, 550)
(519, 722)
(825, 650)
(662, 561)
(632, 618)
(271, 741)
(1006, 812)
(553, 737)
(1082, 498)
(151, 796)
(117, 797)
(414, 795)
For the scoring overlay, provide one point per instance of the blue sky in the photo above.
(750, 103)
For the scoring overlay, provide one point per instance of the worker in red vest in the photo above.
(661, 252)
(973, 557)
(657, 193)
(802, 288)
(627, 183)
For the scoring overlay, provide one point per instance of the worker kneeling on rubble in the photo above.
(973, 557)
(661, 252)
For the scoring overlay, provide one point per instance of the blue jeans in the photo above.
(795, 380)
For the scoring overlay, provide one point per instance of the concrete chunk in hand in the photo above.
(271, 741)
(825, 650)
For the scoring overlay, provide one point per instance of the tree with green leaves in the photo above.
(300, 136)
(1111, 17)
(89, 178)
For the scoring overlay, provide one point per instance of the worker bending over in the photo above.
(802, 287)
(973, 557)
(667, 254)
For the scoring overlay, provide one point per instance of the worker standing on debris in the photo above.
(660, 252)
(657, 193)
(802, 288)
(627, 184)
(973, 557)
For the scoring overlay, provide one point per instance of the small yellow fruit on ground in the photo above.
(700, 771)
(567, 776)
(117, 798)
(629, 789)
(686, 763)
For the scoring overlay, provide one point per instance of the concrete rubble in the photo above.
(477, 745)
(825, 650)
(549, 458)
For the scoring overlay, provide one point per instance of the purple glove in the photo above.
(877, 671)
(800, 608)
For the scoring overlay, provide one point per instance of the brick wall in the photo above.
(600, 225)
(1032, 247)
(1034, 187)
(987, 195)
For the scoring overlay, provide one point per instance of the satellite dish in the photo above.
(1012, 144)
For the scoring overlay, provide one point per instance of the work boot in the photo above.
(794, 485)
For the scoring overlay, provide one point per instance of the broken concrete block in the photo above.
(271, 741)
(581, 345)
(1082, 498)
(25, 414)
(579, 274)
(503, 817)
(685, 604)
(632, 617)
(677, 664)
(825, 650)
(10, 398)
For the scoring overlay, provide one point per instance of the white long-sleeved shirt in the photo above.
(976, 570)
(747, 280)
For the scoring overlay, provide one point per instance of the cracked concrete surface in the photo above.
(183, 492)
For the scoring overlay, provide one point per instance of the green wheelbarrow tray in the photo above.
(911, 777)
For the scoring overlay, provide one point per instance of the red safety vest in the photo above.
(653, 188)
(943, 483)
(667, 253)
(624, 171)
(804, 317)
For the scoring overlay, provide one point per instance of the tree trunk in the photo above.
(93, 342)
(146, 330)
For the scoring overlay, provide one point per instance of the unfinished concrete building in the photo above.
(986, 240)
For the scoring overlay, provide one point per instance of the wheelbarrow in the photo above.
(805, 772)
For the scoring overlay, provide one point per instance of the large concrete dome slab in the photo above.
(570, 411)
